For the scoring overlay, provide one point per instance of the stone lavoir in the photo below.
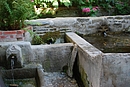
(97, 69)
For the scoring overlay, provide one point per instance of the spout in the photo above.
(12, 63)
(14, 57)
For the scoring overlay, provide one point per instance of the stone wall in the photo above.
(83, 25)
(115, 70)
(25, 48)
(52, 57)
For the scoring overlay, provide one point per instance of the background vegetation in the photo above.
(14, 12)
(121, 7)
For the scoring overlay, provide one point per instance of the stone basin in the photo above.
(117, 42)
(24, 77)
(99, 69)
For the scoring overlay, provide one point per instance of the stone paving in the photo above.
(58, 79)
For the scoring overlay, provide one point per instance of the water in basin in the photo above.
(28, 82)
(117, 42)
(21, 77)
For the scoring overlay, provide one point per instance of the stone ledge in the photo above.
(83, 25)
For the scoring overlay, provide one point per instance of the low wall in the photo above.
(90, 61)
(15, 35)
(27, 53)
(52, 57)
(115, 70)
(99, 69)
(83, 25)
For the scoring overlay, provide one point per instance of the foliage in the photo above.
(52, 3)
(13, 13)
(106, 4)
(49, 7)
(51, 36)
(103, 3)
(86, 6)
(36, 40)
(90, 11)
(122, 8)
(78, 2)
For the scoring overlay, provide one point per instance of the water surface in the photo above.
(110, 43)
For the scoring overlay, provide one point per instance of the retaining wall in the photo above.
(83, 25)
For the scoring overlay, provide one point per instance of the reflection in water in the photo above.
(111, 42)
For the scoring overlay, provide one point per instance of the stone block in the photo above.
(27, 54)
(14, 57)
(52, 57)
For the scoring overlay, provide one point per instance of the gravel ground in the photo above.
(58, 79)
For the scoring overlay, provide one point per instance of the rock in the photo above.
(71, 62)
(14, 52)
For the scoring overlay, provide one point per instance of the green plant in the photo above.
(52, 3)
(89, 11)
(49, 7)
(50, 37)
(13, 13)
(36, 39)
(88, 7)
(122, 8)
(105, 4)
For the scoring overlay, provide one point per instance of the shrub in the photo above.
(13, 13)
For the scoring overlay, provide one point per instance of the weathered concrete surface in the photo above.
(52, 57)
(115, 70)
(90, 61)
(72, 61)
(83, 25)
(14, 53)
(25, 48)
(99, 69)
